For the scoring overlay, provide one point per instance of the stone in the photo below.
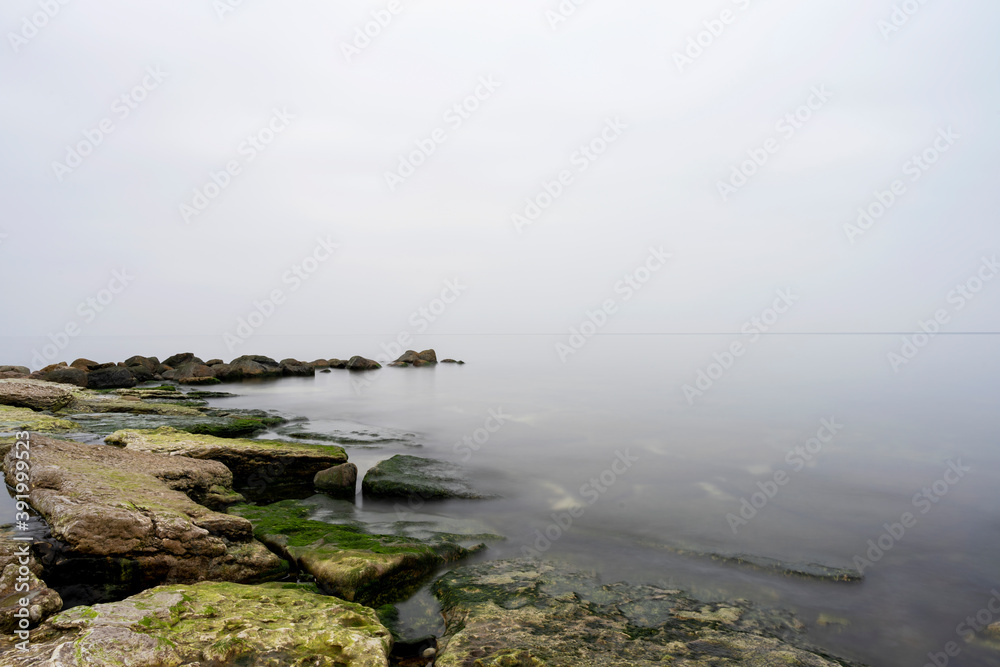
(292, 367)
(23, 370)
(15, 585)
(13, 420)
(140, 373)
(190, 373)
(13, 375)
(70, 375)
(452, 361)
(182, 358)
(350, 563)
(34, 394)
(106, 502)
(405, 476)
(213, 623)
(257, 466)
(149, 363)
(214, 362)
(339, 481)
(361, 364)
(530, 613)
(113, 377)
(339, 364)
(83, 364)
(320, 363)
(248, 366)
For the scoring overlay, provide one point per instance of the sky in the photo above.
(515, 167)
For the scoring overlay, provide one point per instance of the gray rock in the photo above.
(405, 476)
(339, 481)
(34, 394)
(70, 375)
(113, 377)
(358, 363)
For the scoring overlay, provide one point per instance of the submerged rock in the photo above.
(34, 394)
(16, 558)
(213, 624)
(107, 502)
(405, 476)
(257, 465)
(350, 563)
(527, 613)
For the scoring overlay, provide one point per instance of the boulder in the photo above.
(188, 370)
(112, 377)
(106, 502)
(182, 358)
(34, 394)
(405, 476)
(83, 364)
(339, 481)
(13, 375)
(320, 363)
(16, 585)
(258, 466)
(214, 362)
(69, 375)
(338, 364)
(247, 367)
(430, 356)
(140, 373)
(212, 623)
(413, 358)
(361, 364)
(23, 370)
(350, 563)
(149, 363)
(526, 612)
(295, 368)
(101, 367)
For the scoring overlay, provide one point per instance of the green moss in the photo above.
(234, 428)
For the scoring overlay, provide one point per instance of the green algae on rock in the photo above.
(524, 612)
(350, 563)
(273, 466)
(213, 624)
(405, 476)
(106, 502)
(13, 420)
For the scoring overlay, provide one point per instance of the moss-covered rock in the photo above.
(526, 613)
(259, 467)
(85, 401)
(241, 427)
(214, 624)
(107, 502)
(405, 476)
(24, 419)
(350, 563)
(338, 482)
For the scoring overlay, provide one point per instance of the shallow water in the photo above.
(683, 466)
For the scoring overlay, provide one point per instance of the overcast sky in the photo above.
(340, 112)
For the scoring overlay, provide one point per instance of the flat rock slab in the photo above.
(255, 464)
(522, 612)
(13, 420)
(34, 394)
(107, 502)
(212, 624)
(350, 563)
(405, 476)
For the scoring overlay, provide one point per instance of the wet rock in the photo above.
(405, 476)
(295, 368)
(34, 394)
(248, 367)
(68, 375)
(191, 373)
(106, 502)
(452, 361)
(413, 358)
(338, 364)
(84, 401)
(214, 362)
(13, 420)
(256, 465)
(182, 358)
(84, 364)
(113, 377)
(350, 563)
(320, 363)
(15, 586)
(524, 612)
(338, 482)
(358, 363)
(768, 564)
(213, 623)
(149, 363)
(140, 373)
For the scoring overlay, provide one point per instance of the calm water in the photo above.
(692, 462)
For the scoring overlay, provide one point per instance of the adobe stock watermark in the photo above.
(473, 442)
(699, 43)
(248, 151)
(958, 299)
(787, 127)
(966, 630)
(121, 109)
(454, 118)
(590, 492)
(915, 168)
(796, 459)
(899, 17)
(755, 327)
(365, 34)
(627, 287)
(581, 160)
(87, 310)
(295, 276)
(223, 8)
(923, 501)
(33, 24)
(562, 12)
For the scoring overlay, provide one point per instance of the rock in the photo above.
(190, 373)
(257, 466)
(295, 368)
(140, 373)
(23, 370)
(149, 363)
(213, 623)
(106, 502)
(235, 427)
(86, 401)
(182, 358)
(361, 364)
(405, 476)
(525, 612)
(83, 364)
(320, 363)
(69, 375)
(114, 377)
(993, 630)
(430, 356)
(42, 601)
(14, 375)
(339, 481)
(248, 366)
(13, 420)
(452, 361)
(34, 394)
(339, 364)
(350, 563)
(214, 362)
(101, 367)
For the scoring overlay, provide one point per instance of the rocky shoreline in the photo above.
(172, 533)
